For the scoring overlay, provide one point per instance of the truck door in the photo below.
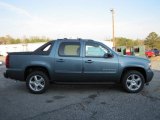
(68, 61)
(98, 68)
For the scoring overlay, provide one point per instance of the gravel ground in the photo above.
(80, 102)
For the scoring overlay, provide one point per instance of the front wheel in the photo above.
(133, 81)
(37, 82)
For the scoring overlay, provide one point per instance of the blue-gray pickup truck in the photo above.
(77, 61)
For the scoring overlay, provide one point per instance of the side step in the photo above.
(86, 83)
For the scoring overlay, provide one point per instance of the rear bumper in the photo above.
(149, 75)
(14, 74)
(5, 75)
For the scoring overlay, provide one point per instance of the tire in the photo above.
(133, 81)
(37, 82)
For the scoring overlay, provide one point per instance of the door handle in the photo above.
(60, 60)
(88, 61)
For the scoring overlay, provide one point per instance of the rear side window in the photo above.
(71, 49)
(44, 49)
(47, 48)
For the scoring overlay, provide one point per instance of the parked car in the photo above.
(128, 53)
(149, 53)
(77, 61)
(156, 52)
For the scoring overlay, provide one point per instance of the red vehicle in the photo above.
(149, 53)
(128, 53)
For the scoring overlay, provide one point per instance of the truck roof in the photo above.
(77, 39)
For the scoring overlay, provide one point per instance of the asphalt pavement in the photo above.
(79, 102)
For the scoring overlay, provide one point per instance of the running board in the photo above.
(86, 83)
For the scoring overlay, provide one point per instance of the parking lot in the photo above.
(80, 102)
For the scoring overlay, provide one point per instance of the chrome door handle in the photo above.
(60, 60)
(88, 61)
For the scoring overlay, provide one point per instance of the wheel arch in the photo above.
(139, 69)
(30, 69)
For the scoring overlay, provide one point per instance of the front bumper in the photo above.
(149, 75)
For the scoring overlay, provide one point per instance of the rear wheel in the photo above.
(37, 82)
(133, 81)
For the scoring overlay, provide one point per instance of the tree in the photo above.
(9, 40)
(138, 42)
(2, 40)
(152, 40)
(124, 42)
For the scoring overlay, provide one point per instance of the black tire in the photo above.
(133, 81)
(37, 82)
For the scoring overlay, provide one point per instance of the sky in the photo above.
(88, 19)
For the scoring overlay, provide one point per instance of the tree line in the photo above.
(10, 40)
(151, 41)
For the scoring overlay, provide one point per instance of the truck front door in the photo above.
(98, 68)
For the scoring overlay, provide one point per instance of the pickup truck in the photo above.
(77, 61)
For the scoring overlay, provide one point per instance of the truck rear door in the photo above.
(68, 61)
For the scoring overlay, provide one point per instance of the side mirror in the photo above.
(108, 55)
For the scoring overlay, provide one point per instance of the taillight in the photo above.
(7, 61)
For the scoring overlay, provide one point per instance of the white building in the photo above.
(32, 46)
(19, 47)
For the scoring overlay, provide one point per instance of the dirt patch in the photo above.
(2, 58)
(157, 58)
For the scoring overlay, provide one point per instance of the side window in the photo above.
(47, 48)
(95, 50)
(44, 49)
(71, 49)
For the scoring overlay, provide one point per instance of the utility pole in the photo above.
(113, 37)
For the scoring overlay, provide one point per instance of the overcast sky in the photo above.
(79, 18)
